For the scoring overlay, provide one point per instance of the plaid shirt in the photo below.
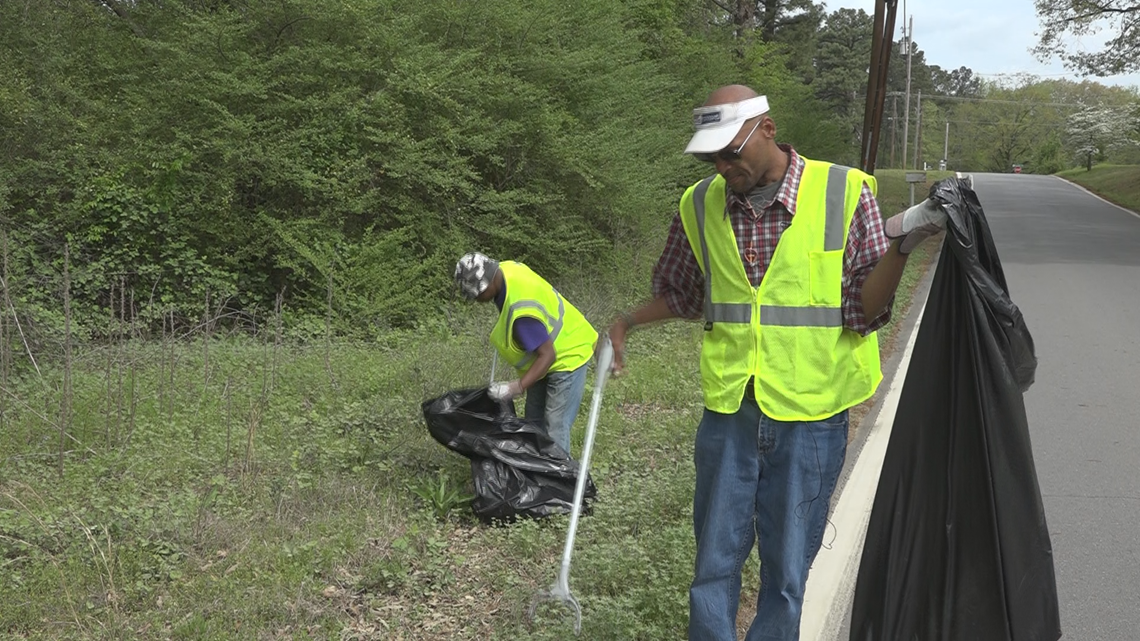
(678, 278)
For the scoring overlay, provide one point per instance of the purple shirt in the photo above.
(528, 332)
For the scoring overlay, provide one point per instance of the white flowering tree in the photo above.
(1096, 129)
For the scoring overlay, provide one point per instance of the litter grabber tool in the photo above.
(560, 591)
(504, 391)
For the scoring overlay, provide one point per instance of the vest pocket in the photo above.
(825, 276)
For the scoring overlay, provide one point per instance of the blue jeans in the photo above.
(555, 399)
(758, 478)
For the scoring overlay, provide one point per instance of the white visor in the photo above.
(717, 125)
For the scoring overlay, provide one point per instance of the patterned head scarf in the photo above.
(474, 273)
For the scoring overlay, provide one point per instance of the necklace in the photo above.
(750, 253)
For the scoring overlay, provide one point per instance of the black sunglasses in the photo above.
(728, 155)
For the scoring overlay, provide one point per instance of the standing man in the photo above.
(542, 335)
(787, 262)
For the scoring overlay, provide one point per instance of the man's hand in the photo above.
(655, 310)
(505, 391)
(916, 224)
(617, 340)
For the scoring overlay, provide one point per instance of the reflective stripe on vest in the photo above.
(771, 314)
(553, 323)
(531, 296)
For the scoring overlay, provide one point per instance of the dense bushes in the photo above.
(338, 156)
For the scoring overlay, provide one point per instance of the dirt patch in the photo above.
(641, 411)
(445, 600)
(856, 416)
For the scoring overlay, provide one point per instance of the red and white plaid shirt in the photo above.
(678, 278)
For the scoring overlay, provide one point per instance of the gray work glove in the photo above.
(505, 391)
(916, 224)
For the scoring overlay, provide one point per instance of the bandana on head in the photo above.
(474, 272)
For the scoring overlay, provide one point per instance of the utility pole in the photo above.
(894, 121)
(946, 145)
(906, 98)
(882, 45)
(918, 131)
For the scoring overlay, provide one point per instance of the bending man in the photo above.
(540, 333)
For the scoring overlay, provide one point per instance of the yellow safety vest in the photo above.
(787, 333)
(530, 296)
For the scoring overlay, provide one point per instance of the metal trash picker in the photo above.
(560, 591)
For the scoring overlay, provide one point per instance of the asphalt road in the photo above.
(1072, 262)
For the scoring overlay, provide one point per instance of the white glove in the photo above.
(505, 391)
(916, 224)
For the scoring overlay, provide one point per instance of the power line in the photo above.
(965, 122)
(1024, 73)
(998, 100)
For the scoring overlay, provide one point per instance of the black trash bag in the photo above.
(517, 468)
(957, 548)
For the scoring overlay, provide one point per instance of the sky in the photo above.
(991, 37)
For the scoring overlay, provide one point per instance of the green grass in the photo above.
(233, 490)
(894, 192)
(1117, 183)
(318, 531)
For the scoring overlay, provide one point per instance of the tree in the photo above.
(931, 138)
(1003, 126)
(921, 75)
(793, 24)
(960, 82)
(802, 119)
(1049, 157)
(843, 52)
(270, 145)
(1125, 102)
(768, 17)
(1066, 20)
(1012, 138)
(776, 16)
(1095, 129)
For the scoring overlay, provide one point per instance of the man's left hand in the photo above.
(916, 224)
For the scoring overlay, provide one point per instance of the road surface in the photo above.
(1072, 262)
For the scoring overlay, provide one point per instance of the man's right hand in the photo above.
(617, 340)
(505, 391)
(657, 310)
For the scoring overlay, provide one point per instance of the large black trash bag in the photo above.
(957, 548)
(517, 468)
